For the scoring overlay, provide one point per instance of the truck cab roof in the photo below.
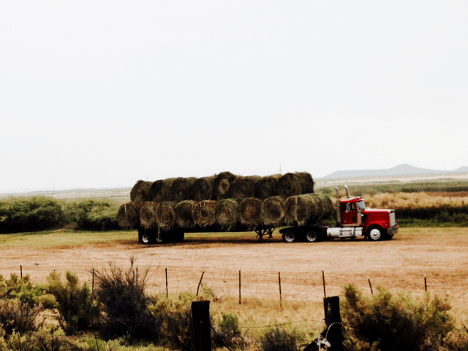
(351, 200)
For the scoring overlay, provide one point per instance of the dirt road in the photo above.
(440, 253)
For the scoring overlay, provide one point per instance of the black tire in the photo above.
(145, 237)
(179, 236)
(375, 234)
(289, 236)
(311, 236)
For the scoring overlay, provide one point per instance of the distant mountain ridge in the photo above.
(400, 170)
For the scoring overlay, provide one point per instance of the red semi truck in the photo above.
(353, 219)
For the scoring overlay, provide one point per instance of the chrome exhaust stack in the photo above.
(337, 206)
(347, 191)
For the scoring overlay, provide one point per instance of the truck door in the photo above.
(350, 215)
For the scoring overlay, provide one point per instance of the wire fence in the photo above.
(287, 285)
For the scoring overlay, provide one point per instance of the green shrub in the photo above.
(19, 316)
(122, 293)
(23, 290)
(227, 333)
(48, 338)
(77, 307)
(394, 322)
(26, 214)
(278, 340)
(93, 214)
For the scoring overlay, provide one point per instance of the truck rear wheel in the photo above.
(311, 236)
(289, 236)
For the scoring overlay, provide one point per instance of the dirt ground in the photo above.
(439, 253)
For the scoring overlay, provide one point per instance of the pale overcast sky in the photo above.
(103, 93)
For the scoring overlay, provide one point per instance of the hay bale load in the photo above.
(202, 189)
(205, 213)
(181, 189)
(141, 192)
(222, 185)
(250, 212)
(306, 181)
(289, 185)
(185, 214)
(272, 211)
(227, 214)
(328, 210)
(128, 216)
(301, 209)
(266, 187)
(147, 212)
(242, 188)
(165, 215)
(161, 190)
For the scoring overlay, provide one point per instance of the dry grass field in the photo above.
(400, 264)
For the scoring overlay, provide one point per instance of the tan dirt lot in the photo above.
(440, 253)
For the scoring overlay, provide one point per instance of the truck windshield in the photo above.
(360, 206)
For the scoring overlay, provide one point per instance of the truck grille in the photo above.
(392, 218)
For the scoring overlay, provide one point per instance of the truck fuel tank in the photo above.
(344, 232)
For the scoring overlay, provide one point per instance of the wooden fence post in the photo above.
(333, 321)
(167, 285)
(240, 286)
(201, 325)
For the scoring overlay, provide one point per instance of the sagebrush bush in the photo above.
(278, 340)
(78, 309)
(19, 316)
(394, 322)
(125, 303)
(93, 214)
(26, 214)
(227, 332)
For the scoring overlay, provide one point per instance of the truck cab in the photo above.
(353, 219)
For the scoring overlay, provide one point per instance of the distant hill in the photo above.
(400, 170)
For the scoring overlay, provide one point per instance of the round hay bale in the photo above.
(147, 213)
(227, 213)
(266, 187)
(306, 181)
(328, 210)
(141, 192)
(185, 214)
(250, 211)
(272, 211)
(222, 185)
(289, 185)
(299, 209)
(242, 188)
(161, 190)
(165, 215)
(205, 213)
(202, 189)
(128, 216)
(181, 188)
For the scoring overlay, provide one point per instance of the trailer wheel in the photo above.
(289, 236)
(375, 234)
(311, 236)
(144, 237)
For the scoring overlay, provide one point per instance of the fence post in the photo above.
(199, 283)
(279, 283)
(425, 283)
(201, 325)
(323, 280)
(167, 286)
(21, 272)
(240, 285)
(333, 321)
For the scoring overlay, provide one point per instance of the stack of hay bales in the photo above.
(225, 202)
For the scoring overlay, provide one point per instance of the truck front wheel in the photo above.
(375, 234)
(289, 236)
